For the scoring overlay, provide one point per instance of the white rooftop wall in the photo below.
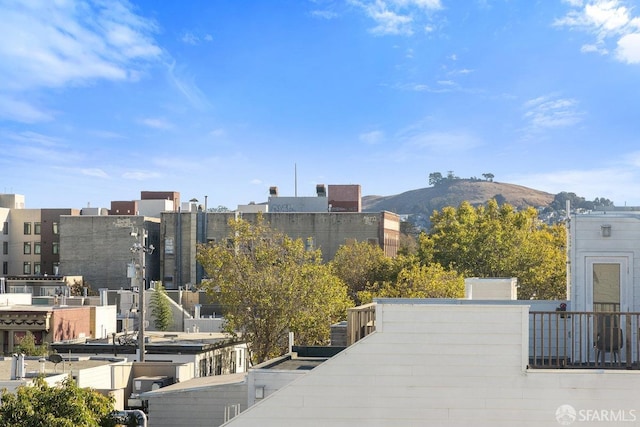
(491, 288)
(444, 365)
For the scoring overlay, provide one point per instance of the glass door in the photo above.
(606, 287)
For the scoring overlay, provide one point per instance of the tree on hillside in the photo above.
(488, 176)
(161, 308)
(40, 405)
(497, 241)
(435, 178)
(560, 201)
(269, 285)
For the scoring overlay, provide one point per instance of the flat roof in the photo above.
(32, 366)
(199, 383)
(298, 363)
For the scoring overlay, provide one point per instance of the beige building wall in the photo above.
(22, 239)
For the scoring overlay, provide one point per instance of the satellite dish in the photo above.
(55, 358)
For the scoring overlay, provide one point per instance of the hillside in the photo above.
(452, 193)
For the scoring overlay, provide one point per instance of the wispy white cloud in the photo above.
(94, 172)
(105, 134)
(218, 133)
(324, 14)
(156, 123)
(612, 25)
(442, 141)
(141, 175)
(615, 182)
(255, 181)
(398, 17)
(421, 140)
(56, 43)
(372, 138)
(186, 85)
(551, 111)
(629, 48)
(36, 148)
(189, 37)
(22, 111)
(30, 137)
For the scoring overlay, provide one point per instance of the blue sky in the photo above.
(100, 100)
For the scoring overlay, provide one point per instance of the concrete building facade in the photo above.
(182, 231)
(99, 248)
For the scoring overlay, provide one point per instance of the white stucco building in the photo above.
(604, 261)
(446, 365)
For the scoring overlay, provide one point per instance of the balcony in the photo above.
(557, 339)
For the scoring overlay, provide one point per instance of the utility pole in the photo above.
(140, 248)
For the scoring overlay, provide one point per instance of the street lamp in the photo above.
(142, 250)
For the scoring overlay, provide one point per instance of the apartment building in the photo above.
(30, 238)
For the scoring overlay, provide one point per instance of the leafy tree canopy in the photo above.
(269, 285)
(498, 241)
(41, 405)
(418, 281)
(28, 346)
(359, 264)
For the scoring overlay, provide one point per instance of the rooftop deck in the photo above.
(604, 339)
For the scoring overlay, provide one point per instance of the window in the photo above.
(26, 267)
(36, 268)
(55, 228)
(5, 228)
(27, 248)
(56, 268)
(56, 248)
(27, 228)
(5, 268)
(37, 248)
(5, 248)
(37, 228)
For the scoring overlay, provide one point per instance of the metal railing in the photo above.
(580, 339)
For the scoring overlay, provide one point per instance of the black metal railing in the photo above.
(580, 339)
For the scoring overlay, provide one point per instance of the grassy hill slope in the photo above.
(452, 193)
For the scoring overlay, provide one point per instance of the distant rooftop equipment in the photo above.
(273, 191)
(321, 190)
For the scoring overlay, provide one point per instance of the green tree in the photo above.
(418, 281)
(161, 308)
(435, 178)
(269, 285)
(28, 346)
(41, 405)
(498, 241)
(359, 264)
